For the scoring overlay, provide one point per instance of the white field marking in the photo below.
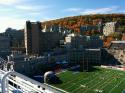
(102, 74)
(82, 80)
(116, 85)
(98, 90)
(89, 81)
(78, 79)
(62, 71)
(114, 69)
(98, 83)
(82, 86)
(75, 79)
(69, 81)
(120, 74)
(76, 72)
(105, 85)
(109, 79)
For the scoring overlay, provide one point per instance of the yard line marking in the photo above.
(78, 79)
(98, 83)
(106, 85)
(116, 85)
(69, 81)
(82, 80)
(92, 80)
(116, 74)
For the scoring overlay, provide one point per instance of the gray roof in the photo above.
(117, 41)
(117, 45)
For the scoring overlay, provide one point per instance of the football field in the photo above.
(99, 81)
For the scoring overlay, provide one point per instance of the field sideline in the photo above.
(99, 81)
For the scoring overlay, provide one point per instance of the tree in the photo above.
(121, 29)
(116, 35)
(123, 37)
(108, 41)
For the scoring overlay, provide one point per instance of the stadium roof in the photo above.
(117, 41)
(117, 45)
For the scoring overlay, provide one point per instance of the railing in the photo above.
(13, 82)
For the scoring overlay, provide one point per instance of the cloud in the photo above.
(93, 11)
(35, 13)
(14, 13)
(8, 2)
(4, 9)
(100, 10)
(32, 10)
(31, 7)
(22, 7)
(121, 11)
(73, 9)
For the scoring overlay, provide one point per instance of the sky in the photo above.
(14, 13)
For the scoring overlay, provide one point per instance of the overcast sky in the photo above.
(14, 13)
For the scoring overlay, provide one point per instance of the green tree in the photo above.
(116, 35)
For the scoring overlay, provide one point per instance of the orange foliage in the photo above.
(78, 21)
(107, 41)
(123, 37)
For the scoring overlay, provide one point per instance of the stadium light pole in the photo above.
(87, 64)
(83, 59)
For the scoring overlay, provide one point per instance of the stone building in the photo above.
(98, 27)
(85, 49)
(92, 56)
(86, 42)
(16, 37)
(50, 40)
(38, 41)
(109, 28)
(26, 65)
(4, 43)
(32, 37)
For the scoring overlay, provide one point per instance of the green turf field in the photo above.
(99, 81)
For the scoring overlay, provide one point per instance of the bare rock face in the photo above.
(118, 54)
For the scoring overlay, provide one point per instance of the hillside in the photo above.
(75, 24)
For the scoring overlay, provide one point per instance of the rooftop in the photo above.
(117, 41)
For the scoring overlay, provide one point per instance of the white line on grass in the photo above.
(98, 83)
(102, 85)
(95, 75)
(90, 81)
(116, 85)
(78, 79)
(70, 81)
(105, 85)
